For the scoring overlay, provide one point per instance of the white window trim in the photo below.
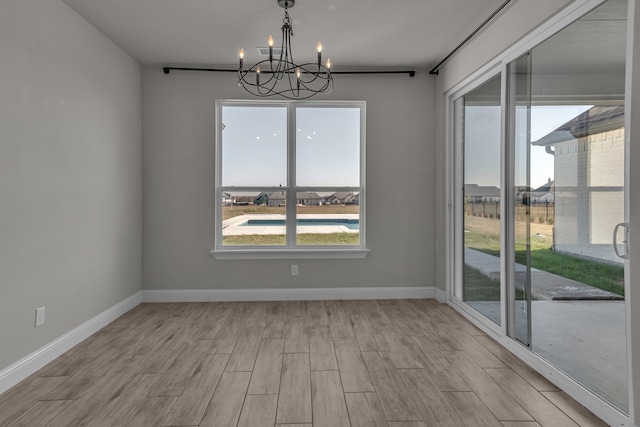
(290, 250)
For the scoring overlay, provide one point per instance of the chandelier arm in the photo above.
(267, 84)
(322, 73)
(270, 84)
(287, 47)
(283, 61)
(290, 75)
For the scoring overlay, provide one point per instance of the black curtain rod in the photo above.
(435, 69)
(167, 70)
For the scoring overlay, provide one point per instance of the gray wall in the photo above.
(178, 182)
(70, 180)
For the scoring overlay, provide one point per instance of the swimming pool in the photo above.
(351, 224)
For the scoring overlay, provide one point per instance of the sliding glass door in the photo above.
(540, 203)
(569, 193)
(478, 133)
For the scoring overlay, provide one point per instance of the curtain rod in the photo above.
(435, 69)
(167, 70)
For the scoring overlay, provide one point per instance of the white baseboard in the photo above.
(286, 294)
(26, 366)
(441, 296)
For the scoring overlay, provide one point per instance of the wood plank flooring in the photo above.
(390, 363)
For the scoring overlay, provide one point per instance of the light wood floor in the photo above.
(396, 363)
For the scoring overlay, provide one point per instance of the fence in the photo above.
(541, 212)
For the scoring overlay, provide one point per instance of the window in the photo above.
(290, 179)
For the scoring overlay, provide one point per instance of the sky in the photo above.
(544, 120)
(482, 144)
(254, 146)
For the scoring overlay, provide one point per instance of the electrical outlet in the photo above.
(294, 269)
(40, 315)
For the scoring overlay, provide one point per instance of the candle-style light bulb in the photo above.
(241, 58)
(258, 75)
(319, 53)
(270, 43)
(298, 78)
(328, 63)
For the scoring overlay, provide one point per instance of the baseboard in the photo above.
(441, 296)
(286, 294)
(26, 366)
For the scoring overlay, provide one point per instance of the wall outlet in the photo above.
(294, 269)
(40, 313)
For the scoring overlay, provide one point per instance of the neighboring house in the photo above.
(308, 199)
(544, 193)
(589, 180)
(261, 199)
(278, 198)
(343, 198)
(226, 199)
(546, 198)
(475, 193)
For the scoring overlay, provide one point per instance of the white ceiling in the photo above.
(355, 33)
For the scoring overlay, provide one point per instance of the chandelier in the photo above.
(280, 75)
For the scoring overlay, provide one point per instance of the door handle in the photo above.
(625, 242)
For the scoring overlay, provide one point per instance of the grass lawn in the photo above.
(301, 239)
(485, 238)
(479, 287)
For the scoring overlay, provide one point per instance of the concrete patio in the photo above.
(575, 327)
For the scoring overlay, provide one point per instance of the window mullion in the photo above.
(291, 176)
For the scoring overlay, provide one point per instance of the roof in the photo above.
(307, 195)
(549, 187)
(341, 195)
(475, 190)
(277, 195)
(598, 119)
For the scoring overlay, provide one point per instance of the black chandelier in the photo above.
(282, 76)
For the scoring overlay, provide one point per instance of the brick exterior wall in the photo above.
(589, 178)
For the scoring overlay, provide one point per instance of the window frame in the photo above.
(291, 250)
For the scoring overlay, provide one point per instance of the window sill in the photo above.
(223, 254)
